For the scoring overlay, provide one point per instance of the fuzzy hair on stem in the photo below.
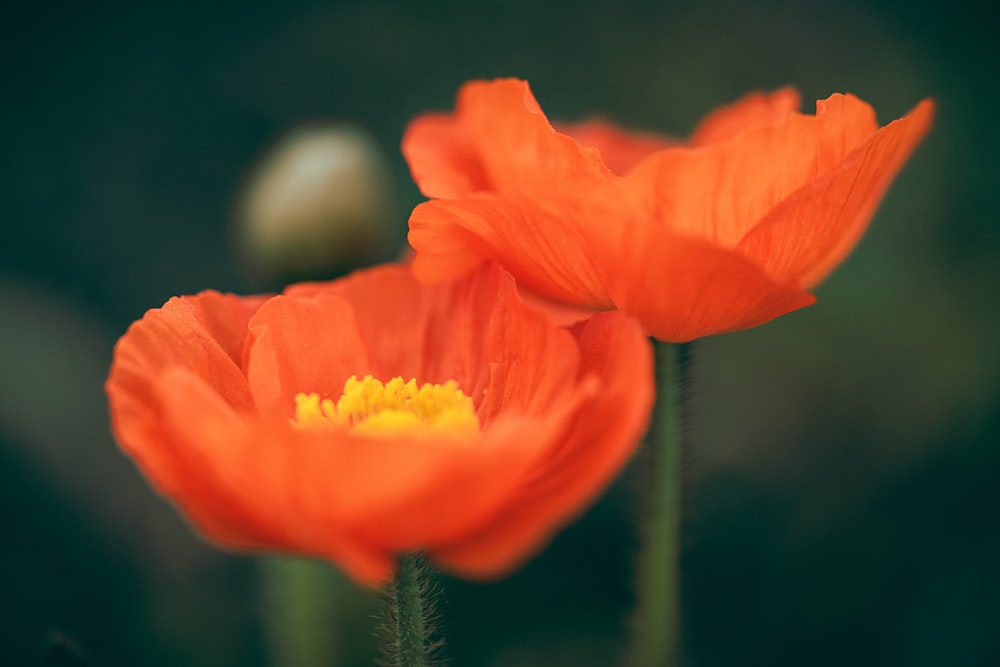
(408, 634)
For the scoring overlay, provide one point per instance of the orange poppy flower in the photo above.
(724, 232)
(371, 416)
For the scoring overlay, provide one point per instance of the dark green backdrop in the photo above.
(842, 499)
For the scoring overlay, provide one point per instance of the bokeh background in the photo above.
(841, 489)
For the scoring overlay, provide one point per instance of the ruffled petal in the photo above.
(682, 288)
(519, 150)
(533, 364)
(620, 149)
(430, 492)
(809, 233)
(168, 337)
(226, 317)
(605, 432)
(561, 314)
(437, 347)
(299, 344)
(752, 110)
(542, 241)
(254, 485)
(447, 250)
(720, 191)
(443, 158)
(355, 500)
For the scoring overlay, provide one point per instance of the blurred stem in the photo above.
(411, 634)
(656, 638)
(301, 610)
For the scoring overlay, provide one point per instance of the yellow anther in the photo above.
(370, 407)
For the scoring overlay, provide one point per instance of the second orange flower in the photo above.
(724, 232)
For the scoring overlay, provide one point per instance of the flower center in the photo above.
(367, 406)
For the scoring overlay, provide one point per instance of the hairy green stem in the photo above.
(411, 633)
(657, 622)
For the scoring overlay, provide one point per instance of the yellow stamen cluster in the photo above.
(396, 407)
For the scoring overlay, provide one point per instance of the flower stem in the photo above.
(411, 633)
(657, 622)
(303, 600)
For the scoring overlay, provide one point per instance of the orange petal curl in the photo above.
(620, 149)
(723, 233)
(201, 390)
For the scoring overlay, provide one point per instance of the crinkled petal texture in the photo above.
(202, 395)
(725, 232)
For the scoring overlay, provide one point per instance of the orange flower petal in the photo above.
(174, 335)
(682, 288)
(562, 314)
(225, 319)
(262, 485)
(450, 249)
(533, 364)
(541, 241)
(506, 137)
(437, 347)
(443, 161)
(720, 191)
(578, 466)
(302, 345)
(809, 233)
(752, 110)
(620, 149)
(443, 494)
(386, 300)
(514, 138)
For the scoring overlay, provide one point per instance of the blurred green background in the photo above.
(842, 499)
